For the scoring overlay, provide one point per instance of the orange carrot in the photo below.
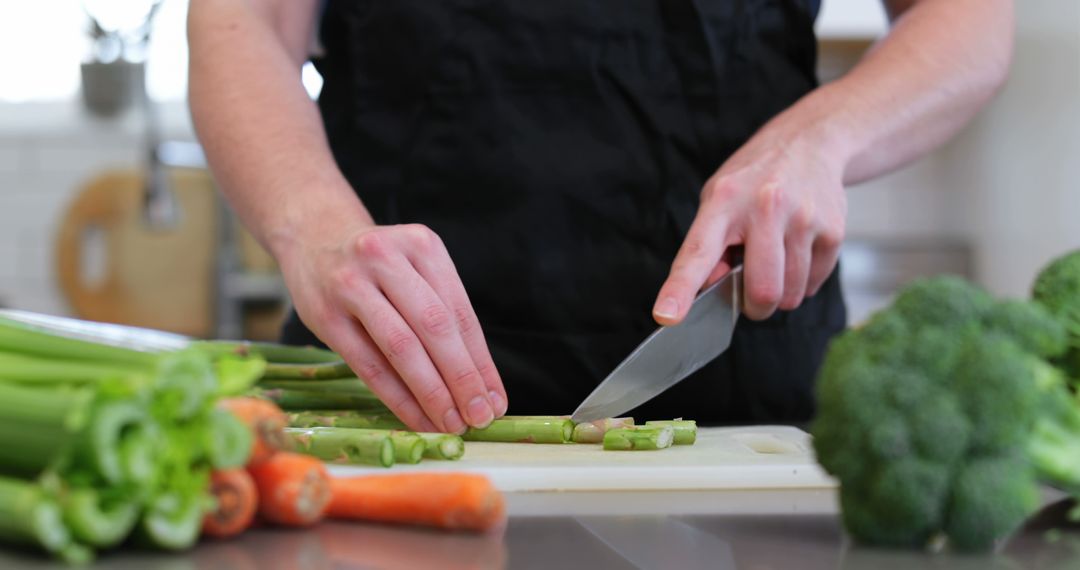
(294, 489)
(266, 421)
(454, 501)
(236, 499)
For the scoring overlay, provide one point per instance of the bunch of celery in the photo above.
(101, 442)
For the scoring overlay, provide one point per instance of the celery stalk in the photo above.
(98, 519)
(29, 516)
(228, 440)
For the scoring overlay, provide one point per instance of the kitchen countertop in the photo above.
(723, 530)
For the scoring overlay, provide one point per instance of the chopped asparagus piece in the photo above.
(593, 432)
(408, 446)
(344, 445)
(443, 446)
(638, 438)
(685, 430)
(521, 429)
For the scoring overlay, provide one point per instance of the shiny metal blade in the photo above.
(670, 354)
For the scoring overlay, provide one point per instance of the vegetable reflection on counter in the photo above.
(942, 414)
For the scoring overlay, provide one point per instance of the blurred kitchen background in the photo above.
(107, 211)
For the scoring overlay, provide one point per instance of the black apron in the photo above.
(558, 147)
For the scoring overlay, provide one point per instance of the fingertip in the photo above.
(666, 311)
(498, 403)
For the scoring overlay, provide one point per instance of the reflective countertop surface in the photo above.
(746, 530)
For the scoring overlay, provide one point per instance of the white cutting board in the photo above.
(758, 457)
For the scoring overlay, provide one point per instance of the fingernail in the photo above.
(497, 402)
(480, 414)
(453, 422)
(667, 308)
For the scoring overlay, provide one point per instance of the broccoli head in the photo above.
(1057, 288)
(940, 415)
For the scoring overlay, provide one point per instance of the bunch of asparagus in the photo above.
(337, 418)
(100, 442)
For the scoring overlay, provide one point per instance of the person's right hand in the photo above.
(389, 301)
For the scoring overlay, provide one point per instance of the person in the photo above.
(495, 201)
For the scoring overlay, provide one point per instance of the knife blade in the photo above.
(670, 354)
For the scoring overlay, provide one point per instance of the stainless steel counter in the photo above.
(682, 530)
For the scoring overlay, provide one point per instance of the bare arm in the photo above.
(388, 299)
(782, 196)
(940, 64)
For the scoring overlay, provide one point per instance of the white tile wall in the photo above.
(47, 151)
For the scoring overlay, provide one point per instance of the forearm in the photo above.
(942, 61)
(262, 134)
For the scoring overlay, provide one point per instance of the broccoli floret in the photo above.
(940, 416)
(946, 302)
(1057, 288)
(1030, 325)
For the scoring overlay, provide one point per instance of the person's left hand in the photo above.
(781, 197)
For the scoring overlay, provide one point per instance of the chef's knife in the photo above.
(671, 353)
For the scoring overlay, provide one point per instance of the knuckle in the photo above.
(832, 238)
(370, 244)
(717, 188)
(399, 402)
(422, 236)
(695, 247)
(770, 197)
(369, 370)
(464, 377)
(400, 342)
(432, 397)
(436, 320)
(465, 320)
(764, 294)
(802, 219)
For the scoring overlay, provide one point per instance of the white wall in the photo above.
(1017, 169)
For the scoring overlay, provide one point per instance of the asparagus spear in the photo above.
(443, 446)
(685, 430)
(347, 385)
(522, 429)
(271, 352)
(344, 445)
(313, 400)
(593, 432)
(635, 438)
(408, 446)
(345, 419)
